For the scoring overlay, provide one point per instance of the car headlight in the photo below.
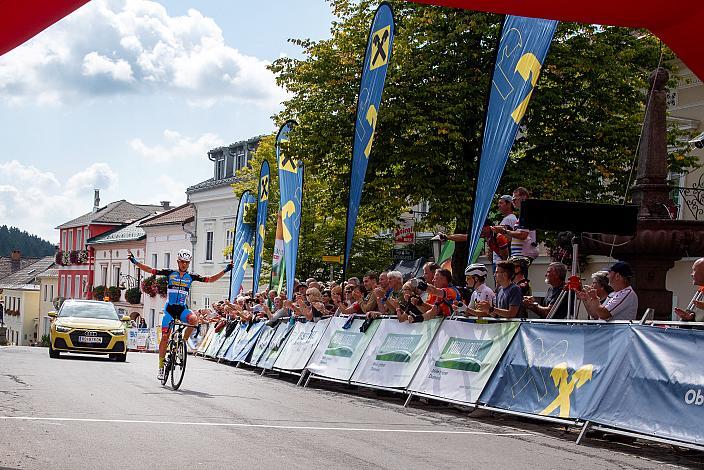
(118, 332)
(62, 329)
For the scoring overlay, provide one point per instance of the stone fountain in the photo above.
(659, 240)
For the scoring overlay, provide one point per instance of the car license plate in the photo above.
(90, 339)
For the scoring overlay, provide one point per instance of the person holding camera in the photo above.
(412, 308)
(697, 301)
(441, 295)
(621, 304)
(312, 307)
(475, 275)
(554, 277)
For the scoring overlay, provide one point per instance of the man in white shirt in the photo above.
(476, 274)
(621, 304)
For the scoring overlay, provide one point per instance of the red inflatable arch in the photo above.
(679, 24)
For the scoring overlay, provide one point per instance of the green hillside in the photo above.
(31, 246)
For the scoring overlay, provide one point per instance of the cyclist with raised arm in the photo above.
(177, 290)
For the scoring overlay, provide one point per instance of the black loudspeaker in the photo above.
(578, 217)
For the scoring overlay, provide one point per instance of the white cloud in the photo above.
(36, 201)
(134, 46)
(177, 146)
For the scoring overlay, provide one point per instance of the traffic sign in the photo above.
(332, 259)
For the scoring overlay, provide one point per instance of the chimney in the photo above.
(96, 200)
(16, 255)
(166, 205)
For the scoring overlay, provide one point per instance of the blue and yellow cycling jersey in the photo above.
(179, 285)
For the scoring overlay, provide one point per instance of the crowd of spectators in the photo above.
(511, 247)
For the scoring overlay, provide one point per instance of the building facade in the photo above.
(21, 301)
(215, 207)
(111, 267)
(166, 234)
(76, 260)
(48, 288)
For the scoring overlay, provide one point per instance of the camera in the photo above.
(698, 141)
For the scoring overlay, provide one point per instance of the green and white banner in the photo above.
(339, 350)
(276, 345)
(461, 359)
(262, 343)
(395, 352)
(301, 345)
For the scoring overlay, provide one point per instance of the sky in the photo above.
(129, 95)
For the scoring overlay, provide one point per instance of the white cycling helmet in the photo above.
(184, 255)
(476, 269)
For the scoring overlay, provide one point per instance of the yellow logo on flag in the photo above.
(287, 163)
(565, 387)
(265, 188)
(380, 48)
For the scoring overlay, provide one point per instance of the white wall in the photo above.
(48, 286)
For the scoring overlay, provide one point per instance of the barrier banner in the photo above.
(300, 345)
(215, 343)
(371, 87)
(132, 339)
(557, 370)
(262, 207)
(461, 359)
(262, 343)
(394, 353)
(246, 341)
(273, 350)
(227, 351)
(523, 46)
(203, 346)
(658, 389)
(197, 337)
(339, 350)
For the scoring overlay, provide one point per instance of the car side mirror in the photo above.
(52, 314)
(125, 318)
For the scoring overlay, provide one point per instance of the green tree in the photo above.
(578, 141)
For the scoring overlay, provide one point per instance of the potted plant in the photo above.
(133, 295)
(98, 292)
(59, 258)
(114, 293)
(73, 257)
(161, 285)
(65, 258)
(149, 286)
(82, 256)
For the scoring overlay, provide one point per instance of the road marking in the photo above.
(266, 426)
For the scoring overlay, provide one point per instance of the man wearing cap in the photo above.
(698, 280)
(621, 304)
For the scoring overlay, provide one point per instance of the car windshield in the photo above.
(99, 310)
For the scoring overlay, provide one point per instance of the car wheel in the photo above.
(53, 353)
(119, 357)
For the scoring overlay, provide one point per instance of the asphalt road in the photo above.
(88, 412)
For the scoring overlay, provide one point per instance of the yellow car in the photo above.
(88, 326)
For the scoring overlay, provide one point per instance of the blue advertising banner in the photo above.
(291, 190)
(659, 387)
(376, 61)
(262, 207)
(523, 46)
(557, 370)
(246, 341)
(242, 245)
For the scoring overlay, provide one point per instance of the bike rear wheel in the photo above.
(178, 364)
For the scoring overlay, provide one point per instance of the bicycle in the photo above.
(176, 355)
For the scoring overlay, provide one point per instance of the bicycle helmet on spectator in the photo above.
(184, 255)
(476, 269)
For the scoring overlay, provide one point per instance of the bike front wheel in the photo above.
(178, 364)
